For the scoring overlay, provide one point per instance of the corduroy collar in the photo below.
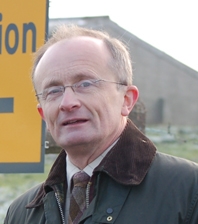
(130, 159)
(127, 163)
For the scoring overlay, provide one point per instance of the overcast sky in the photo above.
(169, 25)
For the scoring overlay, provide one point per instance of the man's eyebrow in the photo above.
(78, 77)
(53, 82)
(81, 76)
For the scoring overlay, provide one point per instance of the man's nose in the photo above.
(70, 100)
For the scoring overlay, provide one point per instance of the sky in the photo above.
(169, 25)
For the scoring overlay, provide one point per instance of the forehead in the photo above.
(69, 57)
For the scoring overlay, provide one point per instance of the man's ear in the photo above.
(130, 98)
(40, 110)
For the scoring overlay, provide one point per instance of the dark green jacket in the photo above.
(133, 184)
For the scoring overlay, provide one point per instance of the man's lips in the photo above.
(74, 121)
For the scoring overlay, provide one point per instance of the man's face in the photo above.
(94, 118)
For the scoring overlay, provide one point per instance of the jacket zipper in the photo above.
(60, 208)
(87, 194)
(87, 201)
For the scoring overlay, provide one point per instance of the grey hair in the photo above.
(120, 63)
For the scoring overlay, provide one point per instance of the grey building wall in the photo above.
(168, 88)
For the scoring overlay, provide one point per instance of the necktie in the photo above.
(78, 197)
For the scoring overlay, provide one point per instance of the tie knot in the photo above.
(80, 179)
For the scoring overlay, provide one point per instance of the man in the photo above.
(83, 82)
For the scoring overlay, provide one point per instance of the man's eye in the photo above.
(86, 83)
(54, 91)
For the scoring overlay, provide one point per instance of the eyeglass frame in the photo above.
(74, 85)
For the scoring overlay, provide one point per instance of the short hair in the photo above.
(121, 60)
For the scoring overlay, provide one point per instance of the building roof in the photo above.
(104, 23)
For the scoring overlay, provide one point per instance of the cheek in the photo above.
(106, 111)
(106, 103)
(50, 114)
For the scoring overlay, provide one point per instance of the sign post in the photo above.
(23, 28)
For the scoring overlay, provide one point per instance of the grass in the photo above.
(186, 150)
(177, 141)
(12, 180)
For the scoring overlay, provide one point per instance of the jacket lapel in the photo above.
(108, 202)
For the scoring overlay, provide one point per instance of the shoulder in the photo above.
(167, 166)
(28, 196)
(176, 181)
(18, 207)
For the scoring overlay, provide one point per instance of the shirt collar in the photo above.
(71, 169)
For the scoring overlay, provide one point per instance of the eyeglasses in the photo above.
(84, 86)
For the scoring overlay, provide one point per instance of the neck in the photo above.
(82, 155)
(81, 160)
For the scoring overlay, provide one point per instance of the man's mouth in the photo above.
(74, 122)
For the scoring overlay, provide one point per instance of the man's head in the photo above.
(120, 58)
(84, 95)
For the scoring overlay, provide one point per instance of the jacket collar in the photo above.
(127, 163)
(56, 181)
(130, 159)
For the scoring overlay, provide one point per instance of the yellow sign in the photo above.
(23, 28)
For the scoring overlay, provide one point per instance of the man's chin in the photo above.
(73, 142)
